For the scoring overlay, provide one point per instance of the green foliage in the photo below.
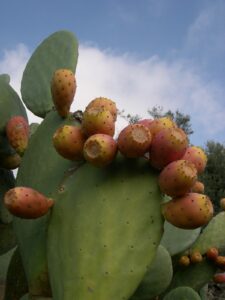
(214, 174)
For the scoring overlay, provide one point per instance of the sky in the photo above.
(143, 53)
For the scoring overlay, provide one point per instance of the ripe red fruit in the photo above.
(219, 278)
(212, 253)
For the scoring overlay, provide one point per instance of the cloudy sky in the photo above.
(142, 53)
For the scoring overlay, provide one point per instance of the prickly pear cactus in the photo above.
(119, 241)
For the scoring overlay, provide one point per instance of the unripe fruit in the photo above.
(68, 141)
(106, 104)
(63, 88)
(197, 156)
(196, 257)
(188, 212)
(219, 278)
(212, 253)
(168, 145)
(17, 131)
(98, 120)
(159, 124)
(27, 203)
(100, 149)
(177, 178)
(134, 140)
(198, 187)
(184, 261)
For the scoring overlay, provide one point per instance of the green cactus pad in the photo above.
(5, 78)
(194, 276)
(104, 231)
(42, 169)
(7, 181)
(16, 284)
(33, 128)
(157, 278)
(212, 235)
(59, 50)
(8, 238)
(182, 293)
(10, 104)
(176, 240)
(4, 263)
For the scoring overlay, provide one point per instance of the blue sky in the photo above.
(142, 53)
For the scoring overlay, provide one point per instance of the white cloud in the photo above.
(137, 86)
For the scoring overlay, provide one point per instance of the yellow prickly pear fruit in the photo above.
(196, 257)
(184, 261)
(104, 103)
(197, 156)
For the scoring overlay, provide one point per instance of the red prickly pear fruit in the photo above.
(146, 122)
(134, 140)
(27, 203)
(197, 156)
(198, 187)
(159, 124)
(100, 149)
(219, 278)
(184, 261)
(63, 88)
(104, 103)
(10, 162)
(212, 253)
(189, 211)
(220, 262)
(222, 203)
(196, 257)
(17, 131)
(168, 145)
(98, 120)
(68, 141)
(177, 178)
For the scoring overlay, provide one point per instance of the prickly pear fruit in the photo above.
(184, 261)
(196, 257)
(134, 140)
(27, 203)
(17, 131)
(161, 123)
(145, 122)
(168, 145)
(104, 103)
(212, 253)
(219, 278)
(68, 141)
(197, 156)
(100, 149)
(10, 161)
(98, 120)
(63, 88)
(198, 187)
(177, 178)
(222, 203)
(220, 262)
(189, 211)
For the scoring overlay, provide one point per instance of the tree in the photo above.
(214, 174)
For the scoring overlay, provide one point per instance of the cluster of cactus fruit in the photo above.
(97, 216)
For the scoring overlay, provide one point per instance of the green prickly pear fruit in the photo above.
(134, 140)
(27, 203)
(219, 278)
(222, 203)
(68, 141)
(10, 161)
(196, 257)
(184, 261)
(100, 149)
(104, 103)
(197, 156)
(212, 253)
(198, 187)
(177, 178)
(17, 131)
(159, 124)
(63, 88)
(168, 145)
(98, 120)
(190, 211)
